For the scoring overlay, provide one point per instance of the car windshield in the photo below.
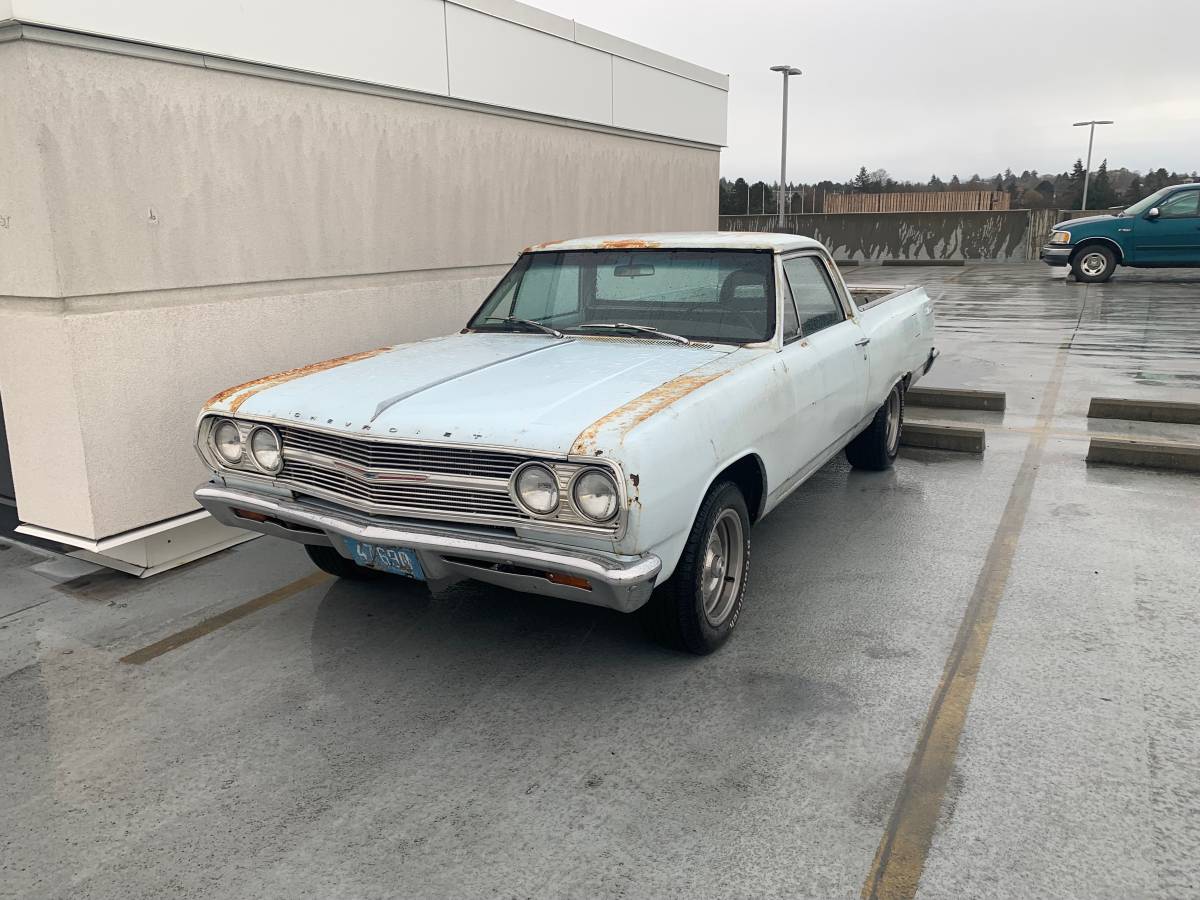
(1147, 202)
(727, 296)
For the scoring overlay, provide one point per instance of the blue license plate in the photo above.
(397, 560)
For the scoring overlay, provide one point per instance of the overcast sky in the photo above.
(917, 86)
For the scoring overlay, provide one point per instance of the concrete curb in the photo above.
(963, 438)
(1144, 410)
(956, 398)
(1145, 454)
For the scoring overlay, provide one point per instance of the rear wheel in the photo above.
(698, 608)
(329, 560)
(1094, 263)
(876, 448)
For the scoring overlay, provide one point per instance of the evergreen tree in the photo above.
(1134, 192)
(760, 198)
(740, 197)
(1073, 195)
(1100, 192)
(862, 181)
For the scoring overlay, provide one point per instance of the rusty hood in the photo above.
(530, 392)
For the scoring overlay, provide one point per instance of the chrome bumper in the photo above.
(618, 582)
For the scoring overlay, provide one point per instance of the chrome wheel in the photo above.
(721, 572)
(893, 421)
(1093, 264)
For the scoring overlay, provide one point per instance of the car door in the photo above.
(825, 341)
(1173, 236)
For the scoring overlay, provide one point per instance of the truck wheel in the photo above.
(1094, 263)
(876, 448)
(329, 560)
(698, 607)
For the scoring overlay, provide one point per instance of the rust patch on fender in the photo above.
(243, 392)
(629, 244)
(641, 408)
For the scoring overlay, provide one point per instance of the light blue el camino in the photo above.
(606, 429)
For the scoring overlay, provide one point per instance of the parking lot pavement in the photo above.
(970, 676)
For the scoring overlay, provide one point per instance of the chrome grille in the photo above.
(394, 478)
(406, 457)
(399, 497)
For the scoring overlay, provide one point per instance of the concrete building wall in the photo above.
(27, 264)
(176, 230)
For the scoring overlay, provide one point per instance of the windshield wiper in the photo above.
(529, 323)
(645, 328)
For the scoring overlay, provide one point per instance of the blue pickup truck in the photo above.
(1163, 230)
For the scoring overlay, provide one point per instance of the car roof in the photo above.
(683, 240)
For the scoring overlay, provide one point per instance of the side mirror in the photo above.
(1153, 213)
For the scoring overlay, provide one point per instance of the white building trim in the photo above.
(497, 54)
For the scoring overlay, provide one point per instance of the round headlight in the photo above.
(536, 489)
(227, 441)
(595, 495)
(264, 447)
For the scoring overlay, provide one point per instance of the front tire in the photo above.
(876, 448)
(329, 560)
(1094, 263)
(698, 608)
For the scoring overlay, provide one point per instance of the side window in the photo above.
(791, 321)
(817, 305)
(548, 291)
(1181, 206)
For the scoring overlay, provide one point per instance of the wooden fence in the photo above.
(924, 201)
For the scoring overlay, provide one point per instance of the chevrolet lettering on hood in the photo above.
(606, 428)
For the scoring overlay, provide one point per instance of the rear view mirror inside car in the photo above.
(633, 270)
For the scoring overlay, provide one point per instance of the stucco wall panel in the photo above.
(38, 380)
(27, 264)
(161, 176)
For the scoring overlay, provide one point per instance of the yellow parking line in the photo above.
(900, 857)
(211, 624)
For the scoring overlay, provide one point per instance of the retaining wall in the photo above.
(1008, 235)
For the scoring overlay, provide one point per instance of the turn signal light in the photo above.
(569, 580)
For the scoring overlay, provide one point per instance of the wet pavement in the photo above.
(975, 676)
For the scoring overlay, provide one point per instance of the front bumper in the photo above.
(618, 582)
(1056, 255)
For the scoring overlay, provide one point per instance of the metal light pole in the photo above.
(787, 72)
(1087, 169)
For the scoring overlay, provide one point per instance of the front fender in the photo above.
(671, 457)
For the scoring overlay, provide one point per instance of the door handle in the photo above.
(862, 342)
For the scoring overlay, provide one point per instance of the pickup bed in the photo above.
(606, 428)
